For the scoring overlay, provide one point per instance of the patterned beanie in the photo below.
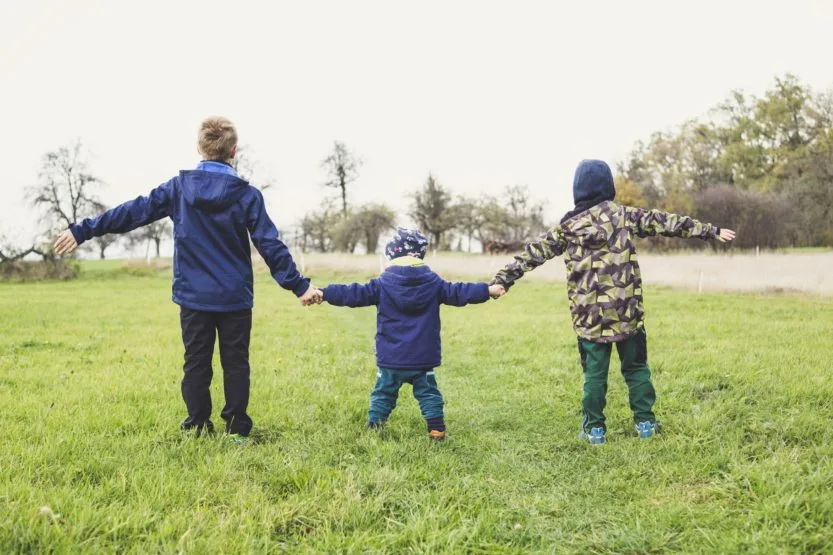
(405, 242)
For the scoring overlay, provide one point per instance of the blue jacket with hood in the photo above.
(408, 300)
(214, 212)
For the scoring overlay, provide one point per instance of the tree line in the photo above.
(760, 165)
(451, 222)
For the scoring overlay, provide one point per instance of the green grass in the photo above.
(89, 390)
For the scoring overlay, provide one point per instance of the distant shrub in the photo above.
(765, 220)
(41, 270)
(142, 268)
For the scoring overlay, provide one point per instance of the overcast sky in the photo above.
(482, 94)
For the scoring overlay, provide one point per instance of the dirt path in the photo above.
(810, 272)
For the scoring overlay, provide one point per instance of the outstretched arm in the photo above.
(461, 294)
(548, 246)
(274, 251)
(353, 295)
(121, 219)
(656, 222)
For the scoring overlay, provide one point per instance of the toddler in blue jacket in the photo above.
(214, 212)
(408, 296)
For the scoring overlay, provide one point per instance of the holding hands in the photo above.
(496, 291)
(313, 296)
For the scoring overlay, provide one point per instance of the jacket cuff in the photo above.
(302, 287)
(76, 234)
(497, 281)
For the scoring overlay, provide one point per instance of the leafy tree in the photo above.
(525, 215)
(779, 143)
(373, 220)
(316, 228)
(468, 218)
(432, 210)
(342, 169)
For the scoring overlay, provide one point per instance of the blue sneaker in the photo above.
(595, 437)
(647, 429)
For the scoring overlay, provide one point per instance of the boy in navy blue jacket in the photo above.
(214, 213)
(408, 296)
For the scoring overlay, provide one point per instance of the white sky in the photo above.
(484, 94)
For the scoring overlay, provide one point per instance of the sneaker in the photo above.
(436, 435)
(238, 439)
(595, 437)
(375, 425)
(647, 429)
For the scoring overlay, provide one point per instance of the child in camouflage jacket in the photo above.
(604, 287)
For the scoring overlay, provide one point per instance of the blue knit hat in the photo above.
(405, 242)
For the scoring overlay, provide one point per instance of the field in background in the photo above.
(801, 270)
(91, 459)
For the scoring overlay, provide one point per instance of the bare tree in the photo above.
(247, 167)
(103, 243)
(65, 190)
(152, 234)
(342, 169)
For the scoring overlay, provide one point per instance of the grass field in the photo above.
(91, 458)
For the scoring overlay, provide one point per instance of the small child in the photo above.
(408, 296)
(214, 213)
(604, 287)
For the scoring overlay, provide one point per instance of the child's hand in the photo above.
(312, 296)
(726, 235)
(496, 291)
(65, 243)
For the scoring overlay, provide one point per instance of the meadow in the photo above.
(92, 459)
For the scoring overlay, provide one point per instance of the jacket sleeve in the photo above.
(548, 246)
(646, 223)
(128, 216)
(273, 250)
(353, 295)
(461, 294)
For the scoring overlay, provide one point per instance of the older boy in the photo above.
(214, 213)
(408, 296)
(604, 287)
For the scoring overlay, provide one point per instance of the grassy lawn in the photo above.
(89, 390)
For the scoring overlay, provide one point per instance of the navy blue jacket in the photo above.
(408, 303)
(214, 212)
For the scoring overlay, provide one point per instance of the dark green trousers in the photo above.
(595, 361)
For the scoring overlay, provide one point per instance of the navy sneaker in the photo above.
(647, 429)
(595, 437)
(375, 425)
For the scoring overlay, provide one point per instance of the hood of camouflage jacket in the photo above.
(592, 185)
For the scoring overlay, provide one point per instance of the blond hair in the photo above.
(217, 139)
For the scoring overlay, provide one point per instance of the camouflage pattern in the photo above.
(604, 285)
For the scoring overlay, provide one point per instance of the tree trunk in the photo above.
(344, 198)
(157, 240)
(101, 250)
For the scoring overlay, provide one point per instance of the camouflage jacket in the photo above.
(604, 285)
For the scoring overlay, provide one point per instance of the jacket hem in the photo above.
(426, 367)
(611, 338)
(213, 307)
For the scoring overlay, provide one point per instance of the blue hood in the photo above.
(412, 290)
(211, 191)
(593, 183)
